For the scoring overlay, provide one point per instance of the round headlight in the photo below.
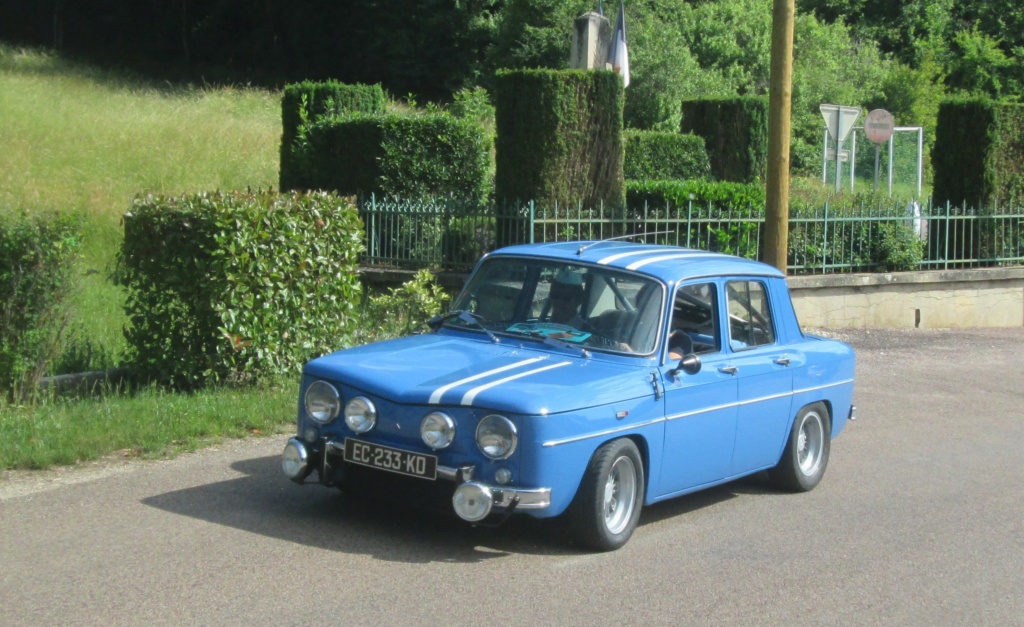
(322, 402)
(360, 414)
(496, 436)
(437, 430)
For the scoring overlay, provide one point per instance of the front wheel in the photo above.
(607, 506)
(804, 461)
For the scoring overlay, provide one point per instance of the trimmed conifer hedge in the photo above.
(735, 132)
(559, 137)
(302, 104)
(652, 156)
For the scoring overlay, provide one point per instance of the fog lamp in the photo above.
(295, 460)
(472, 501)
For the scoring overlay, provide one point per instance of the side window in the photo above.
(750, 318)
(694, 326)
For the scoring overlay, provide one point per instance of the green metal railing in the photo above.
(829, 239)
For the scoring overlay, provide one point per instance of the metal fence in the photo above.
(828, 239)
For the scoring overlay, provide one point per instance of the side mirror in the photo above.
(435, 322)
(690, 364)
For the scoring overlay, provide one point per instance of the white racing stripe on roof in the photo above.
(690, 255)
(471, 395)
(633, 253)
(435, 398)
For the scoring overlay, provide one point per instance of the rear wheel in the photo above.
(607, 505)
(804, 461)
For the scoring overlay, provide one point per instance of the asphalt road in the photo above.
(919, 521)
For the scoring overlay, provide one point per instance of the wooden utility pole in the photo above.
(780, 99)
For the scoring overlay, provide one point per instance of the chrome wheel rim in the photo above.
(619, 495)
(810, 441)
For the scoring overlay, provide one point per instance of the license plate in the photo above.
(390, 459)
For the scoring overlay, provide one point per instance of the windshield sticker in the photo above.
(553, 330)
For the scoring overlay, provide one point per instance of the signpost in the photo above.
(839, 120)
(878, 126)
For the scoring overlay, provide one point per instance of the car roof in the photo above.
(668, 263)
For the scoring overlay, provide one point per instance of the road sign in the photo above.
(879, 125)
(839, 120)
(844, 155)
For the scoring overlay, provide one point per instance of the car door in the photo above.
(701, 411)
(762, 367)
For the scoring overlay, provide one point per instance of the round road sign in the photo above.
(878, 126)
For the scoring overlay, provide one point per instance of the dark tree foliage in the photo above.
(427, 47)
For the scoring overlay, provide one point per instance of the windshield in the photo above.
(585, 306)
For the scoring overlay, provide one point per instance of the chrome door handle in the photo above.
(727, 369)
(782, 361)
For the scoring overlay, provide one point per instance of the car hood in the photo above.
(447, 370)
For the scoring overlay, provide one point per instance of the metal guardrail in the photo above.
(828, 239)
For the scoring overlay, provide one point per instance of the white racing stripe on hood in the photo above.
(471, 395)
(435, 398)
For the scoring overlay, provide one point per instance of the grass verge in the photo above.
(148, 423)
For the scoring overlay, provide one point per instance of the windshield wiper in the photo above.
(462, 315)
(554, 341)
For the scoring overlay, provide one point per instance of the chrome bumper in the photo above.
(297, 465)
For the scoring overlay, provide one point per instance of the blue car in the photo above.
(584, 379)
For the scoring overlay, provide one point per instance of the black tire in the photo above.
(804, 461)
(607, 505)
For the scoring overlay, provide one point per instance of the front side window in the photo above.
(750, 318)
(587, 306)
(694, 326)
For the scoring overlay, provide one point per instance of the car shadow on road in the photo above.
(262, 501)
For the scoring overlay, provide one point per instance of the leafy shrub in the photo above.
(404, 310)
(680, 194)
(36, 258)
(465, 240)
(657, 156)
(895, 247)
(233, 286)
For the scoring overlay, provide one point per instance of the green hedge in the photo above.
(559, 137)
(233, 286)
(723, 195)
(735, 132)
(978, 156)
(435, 155)
(37, 253)
(978, 160)
(304, 103)
(653, 156)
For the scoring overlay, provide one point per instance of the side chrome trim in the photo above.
(598, 434)
(471, 395)
(687, 414)
(436, 395)
(770, 397)
(697, 412)
(823, 387)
